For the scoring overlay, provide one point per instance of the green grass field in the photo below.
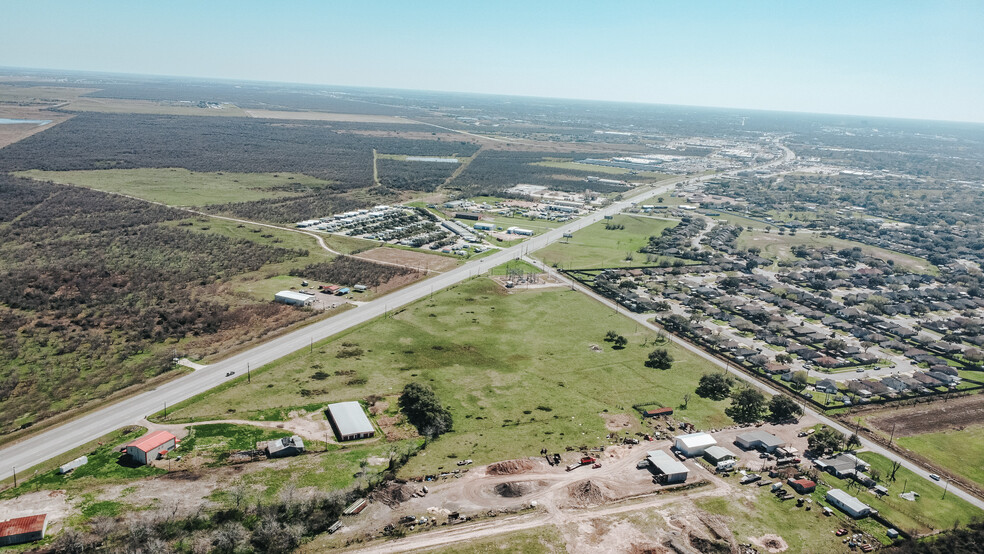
(958, 451)
(762, 513)
(515, 265)
(103, 468)
(929, 513)
(180, 187)
(515, 372)
(594, 246)
(779, 247)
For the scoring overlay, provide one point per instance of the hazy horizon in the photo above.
(879, 59)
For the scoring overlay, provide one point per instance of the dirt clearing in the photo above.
(929, 417)
(771, 543)
(409, 258)
(325, 116)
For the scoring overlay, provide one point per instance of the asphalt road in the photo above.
(57, 440)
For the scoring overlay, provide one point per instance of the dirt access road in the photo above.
(562, 498)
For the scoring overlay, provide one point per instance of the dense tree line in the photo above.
(495, 170)
(398, 175)
(346, 270)
(90, 280)
(319, 149)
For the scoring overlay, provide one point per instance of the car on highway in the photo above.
(934, 477)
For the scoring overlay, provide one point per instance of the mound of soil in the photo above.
(511, 490)
(393, 493)
(510, 467)
(586, 493)
(771, 543)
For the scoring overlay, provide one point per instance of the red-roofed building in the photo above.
(658, 412)
(150, 446)
(802, 486)
(23, 529)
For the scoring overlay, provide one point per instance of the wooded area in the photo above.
(93, 283)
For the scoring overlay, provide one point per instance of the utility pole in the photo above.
(14, 469)
(165, 410)
(945, 487)
(248, 380)
(893, 435)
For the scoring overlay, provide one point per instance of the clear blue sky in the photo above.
(891, 58)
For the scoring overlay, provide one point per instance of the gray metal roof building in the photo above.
(756, 439)
(850, 505)
(663, 463)
(349, 421)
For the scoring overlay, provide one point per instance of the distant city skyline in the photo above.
(901, 59)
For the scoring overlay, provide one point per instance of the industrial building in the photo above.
(842, 465)
(294, 298)
(848, 504)
(349, 421)
(519, 231)
(150, 446)
(20, 530)
(759, 440)
(694, 444)
(287, 446)
(717, 454)
(484, 226)
(671, 470)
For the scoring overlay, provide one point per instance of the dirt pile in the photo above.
(510, 467)
(586, 493)
(511, 490)
(393, 493)
(771, 543)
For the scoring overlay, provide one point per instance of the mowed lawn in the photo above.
(517, 370)
(961, 452)
(594, 246)
(180, 187)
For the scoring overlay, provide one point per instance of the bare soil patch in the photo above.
(771, 543)
(618, 422)
(10, 134)
(410, 258)
(394, 493)
(53, 503)
(510, 467)
(930, 417)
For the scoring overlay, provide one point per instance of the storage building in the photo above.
(349, 421)
(717, 454)
(293, 298)
(76, 463)
(694, 444)
(671, 470)
(848, 504)
(519, 231)
(802, 486)
(484, 226)
(150, 446)
(23, 529)
(759, 440)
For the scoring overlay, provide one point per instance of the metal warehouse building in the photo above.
(664, 464)
(23, 529)
(759, 440)
(349, 421)
(694, 444)
(850, 505)
(293, 298)
(148, 447)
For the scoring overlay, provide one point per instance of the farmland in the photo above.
(181, 187)
(596, 246)
(461, 342)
